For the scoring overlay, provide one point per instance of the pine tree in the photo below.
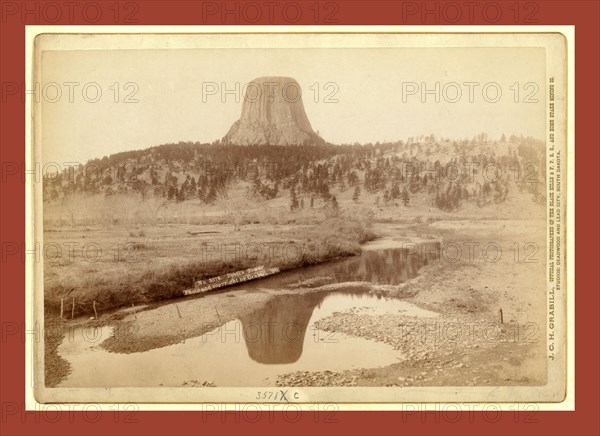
(180, 196)
(405, 197)
(324, 191)
(171, 192)
(211, 197)
(395, 192)
(192, 188)
(293, 199)
(334, 204)
(386, 197)
(185, 186)
(352, 178)
(167, 178)
(201, 192)
(256, 186)
(356, 193)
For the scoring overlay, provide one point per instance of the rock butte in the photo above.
(272, 114)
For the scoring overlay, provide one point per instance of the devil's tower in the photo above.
(272, 113)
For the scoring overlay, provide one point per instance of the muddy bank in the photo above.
(55, 367)
(172, 323)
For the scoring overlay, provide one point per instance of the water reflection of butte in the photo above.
(389, 267)
(275, 333)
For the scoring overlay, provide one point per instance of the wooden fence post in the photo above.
(73, 309)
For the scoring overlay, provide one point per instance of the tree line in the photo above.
(393, 171)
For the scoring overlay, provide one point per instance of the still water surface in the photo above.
(253, 350)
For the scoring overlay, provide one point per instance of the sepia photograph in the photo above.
(300, 216)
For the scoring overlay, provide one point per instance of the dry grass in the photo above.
(129, 262)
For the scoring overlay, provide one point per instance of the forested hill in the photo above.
(449, 172)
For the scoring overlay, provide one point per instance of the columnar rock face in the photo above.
(272, 113)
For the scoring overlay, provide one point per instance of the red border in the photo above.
(583, 14)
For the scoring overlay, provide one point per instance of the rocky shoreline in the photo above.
(466, 344)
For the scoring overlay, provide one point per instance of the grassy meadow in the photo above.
(131, 255)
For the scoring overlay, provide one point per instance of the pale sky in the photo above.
(369, 84)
